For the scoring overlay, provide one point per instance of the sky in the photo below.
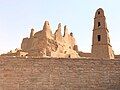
(17, 17)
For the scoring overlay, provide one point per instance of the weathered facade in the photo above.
(45, 44)
(62, 73)
(101, 47)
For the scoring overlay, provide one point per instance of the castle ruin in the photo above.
(45, 44)
(67, 71)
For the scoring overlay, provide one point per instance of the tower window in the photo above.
(99, 37)
(98, 12)
(99, 24)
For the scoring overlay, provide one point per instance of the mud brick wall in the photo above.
(59, 74)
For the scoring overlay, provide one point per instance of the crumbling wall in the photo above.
(24, 44)
(45, 44)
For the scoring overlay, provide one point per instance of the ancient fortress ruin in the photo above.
(48, 61)
(46, 44)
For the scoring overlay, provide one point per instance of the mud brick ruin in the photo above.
(48, 61)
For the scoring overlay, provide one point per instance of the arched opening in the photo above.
(99, 24)
(98, 12)
(99, 37)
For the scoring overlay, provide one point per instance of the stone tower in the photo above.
(101, 47)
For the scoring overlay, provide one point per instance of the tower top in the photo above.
(46, 25)
(99, 13)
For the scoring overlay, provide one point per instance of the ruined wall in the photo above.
(38, 44)
(84, 54)
(45, 44)
(24, 44)
(59, 74)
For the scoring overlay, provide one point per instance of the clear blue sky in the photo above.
(17, 17)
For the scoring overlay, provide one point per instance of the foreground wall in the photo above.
(59, 74)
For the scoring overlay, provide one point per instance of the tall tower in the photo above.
(101, 47)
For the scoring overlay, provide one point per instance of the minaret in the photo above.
(101, 47)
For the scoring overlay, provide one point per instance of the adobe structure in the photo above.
(45, 44)
(61, 73)
(101, 47)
